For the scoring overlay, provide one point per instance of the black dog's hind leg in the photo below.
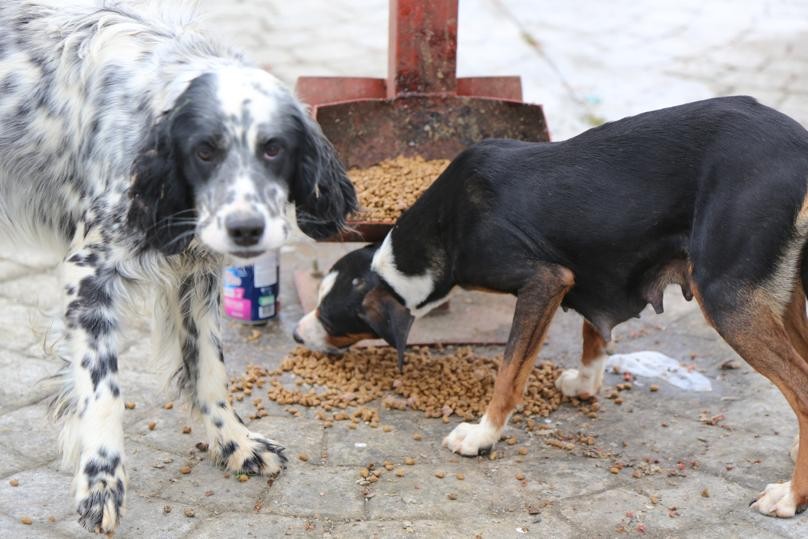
(585, 383)
(204, 378)
(90, 402)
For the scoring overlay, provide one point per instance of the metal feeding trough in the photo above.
(422, 108)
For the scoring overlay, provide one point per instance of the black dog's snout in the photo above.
(296, 336)
(245, 229)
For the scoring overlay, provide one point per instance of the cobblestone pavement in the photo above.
(586, 61)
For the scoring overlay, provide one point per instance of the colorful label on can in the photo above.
(251, 292)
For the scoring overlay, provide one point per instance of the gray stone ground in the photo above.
(587, 61)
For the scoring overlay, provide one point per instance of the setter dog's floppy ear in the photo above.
(162, 201)
(388, 318)
(321, 192)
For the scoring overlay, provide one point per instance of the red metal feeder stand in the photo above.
(422, 108)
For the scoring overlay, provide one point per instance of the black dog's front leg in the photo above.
(205, 379)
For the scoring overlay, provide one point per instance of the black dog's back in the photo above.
(619, 204)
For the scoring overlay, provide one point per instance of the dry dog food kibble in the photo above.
(392, 186)
(454, 381)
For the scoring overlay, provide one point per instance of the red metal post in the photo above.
(422, 47)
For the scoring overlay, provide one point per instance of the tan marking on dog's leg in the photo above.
(758, 334)
(535, 305)
(586, 382)
(796, 324)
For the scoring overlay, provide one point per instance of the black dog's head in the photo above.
(227, 163)
(354, 304)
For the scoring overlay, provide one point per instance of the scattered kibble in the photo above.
(560, 444)
(168, 406)
(653, 388)
(167, 509)
(459, 476)
(152, 425)
(130, 405)
(185, 470)
(440, 474)
(243, 478)
(452, 496)
(615, 470)
(364, 472)
(27, 521)
(520, 476)
(202, 446)
(511, 441)
(14, 483)
(522, 450)
(705, 493)
(409, 461)
(440, 382)
(189, 512)
(303, 457)
(400, 472)
(186, 429)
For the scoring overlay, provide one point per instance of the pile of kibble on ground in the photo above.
(392, 186)
(440, 382)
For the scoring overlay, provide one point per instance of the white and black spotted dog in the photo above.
(149, 153)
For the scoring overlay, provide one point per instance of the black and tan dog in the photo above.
(710, 195)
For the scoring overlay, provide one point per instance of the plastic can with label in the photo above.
(251, 292)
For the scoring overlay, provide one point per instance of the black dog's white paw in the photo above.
(251, 454)
(100, 492)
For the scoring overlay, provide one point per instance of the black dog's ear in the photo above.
(161, 199)
(321, 192)
(389, 319)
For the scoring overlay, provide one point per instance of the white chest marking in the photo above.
(413, 288)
